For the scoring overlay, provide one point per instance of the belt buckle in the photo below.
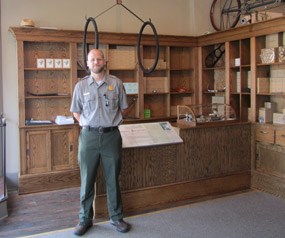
(101, 129)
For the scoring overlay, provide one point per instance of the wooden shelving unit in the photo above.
(181, 77)
(245, 43)
(48, 156)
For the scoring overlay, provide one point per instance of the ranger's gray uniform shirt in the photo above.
(99, 105)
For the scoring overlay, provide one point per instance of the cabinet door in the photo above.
(63, 150)
(38, 151)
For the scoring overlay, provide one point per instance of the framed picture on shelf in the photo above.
(49, 63)
(58, 63)
(66, 63)
(41, 63)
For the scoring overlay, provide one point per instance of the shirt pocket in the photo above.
(89, 104)
(113, 100)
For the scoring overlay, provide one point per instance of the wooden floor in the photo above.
(40, 212)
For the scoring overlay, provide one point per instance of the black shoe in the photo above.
(82, 227)
(121, 225)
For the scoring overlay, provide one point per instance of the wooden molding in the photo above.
(152, 198)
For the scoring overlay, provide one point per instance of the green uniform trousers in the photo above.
(95, 148)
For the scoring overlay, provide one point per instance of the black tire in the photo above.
(152, 68)
(96, 40)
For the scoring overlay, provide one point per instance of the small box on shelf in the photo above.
(279, 118)
(122, 58)
(264, 115)
(281, 53)
(277, 85)
(263, 85)
(269, 55)
(218, 99)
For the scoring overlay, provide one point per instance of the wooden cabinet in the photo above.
(48, 158)
(49, 150)
(269, 171)
(50, 62)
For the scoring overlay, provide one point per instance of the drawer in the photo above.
(280, 137)
(264, 134)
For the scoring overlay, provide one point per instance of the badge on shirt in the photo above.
(110, 88)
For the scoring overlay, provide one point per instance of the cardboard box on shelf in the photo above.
(218, 99)
(269, 55)
(276, 85)
(263, 85)
(264, 115)
(278, 118)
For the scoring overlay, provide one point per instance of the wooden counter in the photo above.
(211, 161)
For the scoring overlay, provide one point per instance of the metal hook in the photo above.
(119, 2)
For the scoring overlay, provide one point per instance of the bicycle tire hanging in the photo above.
(96, 38)
(152, 68)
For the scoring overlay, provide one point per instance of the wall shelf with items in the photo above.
(270, 70)
(46, 81)
(240, 77)
(156, 86)
(213, 73)
(121, 62)
(182, 77)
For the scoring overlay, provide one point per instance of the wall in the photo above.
(179, 17)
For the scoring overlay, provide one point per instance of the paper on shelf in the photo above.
(63, 120)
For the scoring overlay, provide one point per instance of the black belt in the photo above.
(100, 129)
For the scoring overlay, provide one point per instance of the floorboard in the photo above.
(40, 212)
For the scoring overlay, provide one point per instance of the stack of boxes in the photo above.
(275, 84)
(268, 114)
(265, 114)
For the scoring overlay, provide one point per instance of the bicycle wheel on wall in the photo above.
(225, 14)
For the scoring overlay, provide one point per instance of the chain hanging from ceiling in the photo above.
(96, 38)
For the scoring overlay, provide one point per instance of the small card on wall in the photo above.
(40, 63)
(58, 63)
(66, 63)
(49, 63)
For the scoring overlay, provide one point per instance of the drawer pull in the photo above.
(263, 132)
